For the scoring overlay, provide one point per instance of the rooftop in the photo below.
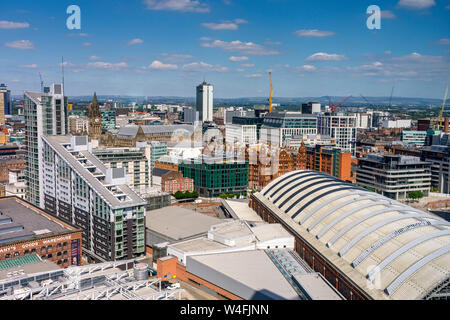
(20, 220)
(179, 223)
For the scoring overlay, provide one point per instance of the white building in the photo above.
(240, 133)
(340, 127)
(400, 123)
(363, 120)
(45, 114)
(205, 101)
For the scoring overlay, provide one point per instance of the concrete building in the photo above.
(78, 188)
(5, 102)
(307, 139)
(341, 128)
(394, 176)
(246, 134)
(398, 123)
(45, 114)
(190, 115)
(17, 185)
(367, 246)
(78, 124)
(439, 157)
(27, 230)
(205, 101)
(279, 126)
(417, 138)
(136, 161)
(311, 108)
(108, 118)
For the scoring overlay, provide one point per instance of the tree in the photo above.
(195, 194)
(415, 195)
(434, 189)
(187, 194)
(179, 195)
(223, 196)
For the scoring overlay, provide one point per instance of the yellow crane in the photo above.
(271, 92)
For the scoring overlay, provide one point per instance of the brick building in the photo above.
(30, 230)
(173, 181)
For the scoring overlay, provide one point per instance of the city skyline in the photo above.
(166, 48)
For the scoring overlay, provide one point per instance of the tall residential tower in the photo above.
(45, 114)
(205, 101)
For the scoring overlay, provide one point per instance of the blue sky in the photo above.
(167, 47)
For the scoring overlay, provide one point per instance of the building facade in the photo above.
(417, 138)
(394, 176)
(205, 100)
(35, 231)
(135, 161)
(45, 114)
(439, 157)
(340, 127)
(213, 176)
(173, 182)
(235, 133)
(79, 189)
(279, 126)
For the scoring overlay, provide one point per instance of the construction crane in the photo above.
(334, 108)
(441, 113)
(271, 92)
(42, 82)
(390, 99)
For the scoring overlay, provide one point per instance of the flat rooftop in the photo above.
(240, 210)
(179, 223)
(20, 221)
(198, 245)
(244, 273)
(264, 232)
(21, 267)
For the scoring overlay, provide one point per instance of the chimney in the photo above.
(446, 125)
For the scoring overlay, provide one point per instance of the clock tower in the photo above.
(95, 119)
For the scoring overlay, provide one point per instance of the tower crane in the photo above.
(42, 82)
(271, 92)
(335, 108)
(441, 113)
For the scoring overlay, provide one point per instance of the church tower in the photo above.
(95, 119)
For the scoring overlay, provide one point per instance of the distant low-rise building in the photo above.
(417, 138)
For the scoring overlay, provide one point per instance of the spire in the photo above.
(95, 101)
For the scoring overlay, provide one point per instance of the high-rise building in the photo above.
(205, 101)
(108, 118)
(190, 115)
(79, 189)
(278, 126)
(45, 114)
(340, 127)
(5, 102)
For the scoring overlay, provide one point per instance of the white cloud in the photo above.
(203, 67)
(158, 65)
(177, 5)
(387, 14)
(66, 64)
(87, 44)
(13, 25)
(221, 26)
(307, 67)
(21, 44)
(29, 66)
(135, 41)
(225, 25)
(313, 33)
(322, 56)
(240, 70)
(239, 46)
(237, 59)
(444, 41)
(78, 35)
(107, 65)
(94, 58)
(254, 75)
(388, 52)
(416, 4)
(175, 58)
(248, 65)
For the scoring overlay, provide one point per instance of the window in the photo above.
(50, 256)
(43, 249)
(7, 256)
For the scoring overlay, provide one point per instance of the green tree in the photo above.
(223, 196)
(195, 194)
(179, 195)
(415, 195)
(187, 194)
(434, 189)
